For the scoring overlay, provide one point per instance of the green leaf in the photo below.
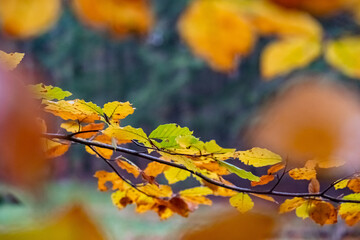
(240, 172)
(168, 131)
(40, 91)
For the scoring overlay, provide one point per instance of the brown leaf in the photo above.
(354, 185)
(314, 186)
(323, 213)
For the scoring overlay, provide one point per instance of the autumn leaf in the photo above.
(157, 191)
(174, 175)
(265, 179)
(323, 213)
(55, 149)
(288, 54)
(153, 169)
(215, 37)
(264, 197)
(116, 111)
(274, 169)
(21, 19)
(238, 171)
(41, 91)
(74, 110)
(104, 177)
(242, 202)
(9, 61)
(128, 166)
(314, 186)
(350, 212)
(168, 131)
(196, 195)
(303, 210)
(90, 130)
(302, 173)
(342, 184)
(344, 54)
(258, 157)
(291, 204)
(126, 134)
(354, 185)
(104, 152)
(121, 17)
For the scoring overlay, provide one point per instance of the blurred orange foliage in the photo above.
(24, 19)
(310, 120)
(120, 17)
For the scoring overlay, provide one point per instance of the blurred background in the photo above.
(155, 55)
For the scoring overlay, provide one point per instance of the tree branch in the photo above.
(209, 180)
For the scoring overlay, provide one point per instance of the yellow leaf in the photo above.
(104, 177)
(242, 202)
(196, 195)
(74, 223)
(120, 199)
(9, 61)
(126, 134)
(55, 149)
(291, 204)
(116, 111)
(258, 157)
(323, 213)
(157, 191)
(71, 126)
(342, 184)
(24, 19)
(174, 175)
(286, 55)
(213, 28)
(130, 168)
(86, 112)
(302, 173)
(344, 54)
(303, 210)
(350, 212)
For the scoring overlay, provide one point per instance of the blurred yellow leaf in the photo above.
(344, 54)
(270, 19)
(258, 157)
(286, 55)
(72, 224)
(291, 204)
(303, 210)
(120, 17)
(196, 195)
(9, 61)
(302, 173)
(217, 32)
(24, 19)
(242, 202)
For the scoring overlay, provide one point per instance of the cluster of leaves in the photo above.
(221, 32)
(175, 153)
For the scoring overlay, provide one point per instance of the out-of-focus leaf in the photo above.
(9, 61)
(55, 149)
(323, 213)
(74, 223)
(121, 17)
(354, 185)
(344, 54)
(286, 55)
(217, 32)
(24, 19)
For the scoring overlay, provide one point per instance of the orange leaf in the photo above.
(354, 185)
(323, 213)
(215, 37)
(265, 179)
(90, 127)
(153, 169)
(275, 168)
(134, 170)
(302, 173)
(291, 204)
(55, 149)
